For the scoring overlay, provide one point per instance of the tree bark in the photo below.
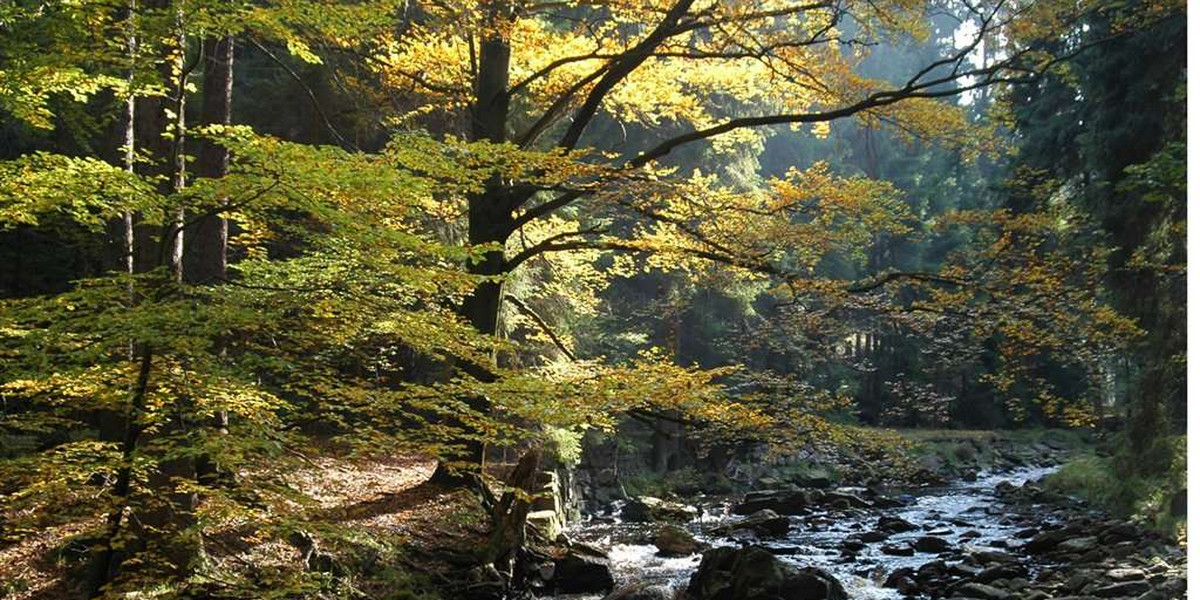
(206, 261)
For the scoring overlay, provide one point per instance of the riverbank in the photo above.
(993, 534)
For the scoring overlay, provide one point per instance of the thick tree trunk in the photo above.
(489, 213)
(205, 262)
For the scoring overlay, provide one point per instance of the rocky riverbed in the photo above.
(997, 537)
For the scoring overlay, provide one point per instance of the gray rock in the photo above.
(648, 509)
(894, 525)
(673, 540)
(981, 590)
(897, 549)
(783, 502)
(577, 573)
(931, 544)
(765, 522)
(1118, 590)
(1079, 544)
(642, 591)
(753, 573)
(1125, 574)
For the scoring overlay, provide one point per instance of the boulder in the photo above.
(1047, 541)
(648, 509)
(580, 573)
(845, 500)
(897, 549)
(871, 537)
(753, 573)
(783, 502)
(642, 591)
(1125, 574)
(983, 591)
(1123, 589)
(894, 525)
(765, 523)
(931, 544)
(673, 540)
(1078, 545)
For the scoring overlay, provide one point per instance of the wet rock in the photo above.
(963, 570)
(998, 572)
(1123, 589)
(1125, 574)
(931, 544)
(648, 509)
(673, 540)
(871, 537)
(845, 499)
(1004, 488)
(781, 501)
(765, 522)
(983, 591)
(642, 591)
(897, 575)
(1047, 541)
(989, 557)
(579, 573)
(970, 535)
(753, 573)
(897, 549)
(894, 525)
(1027, 533)
(1078, 545)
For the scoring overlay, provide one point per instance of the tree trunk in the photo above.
(489, 213)
(206, 252)
(160, 517)
(206, 260)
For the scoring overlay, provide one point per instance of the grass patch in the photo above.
(1144, 488)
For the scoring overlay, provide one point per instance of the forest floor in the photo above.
(387, 503)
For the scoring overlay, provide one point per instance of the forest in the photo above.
(593, 299)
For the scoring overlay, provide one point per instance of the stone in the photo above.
(1047, 541)
(1120, 590)
(871, 537)
(1078, 545)
(931, 544)
(673, 540)
(894, 525)
(642, 591)
(986, 557)
(765, 522)
(578, 573)
(753, 573)
(897, 549)
(998, 572)
(648, 509)
(548, 522)
(894, 578)
(982, 590)
(1125, 574)
(845, 499)
(781, 501)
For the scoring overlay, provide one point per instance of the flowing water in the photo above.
(815, 539)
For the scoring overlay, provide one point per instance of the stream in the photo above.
(815, 539)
